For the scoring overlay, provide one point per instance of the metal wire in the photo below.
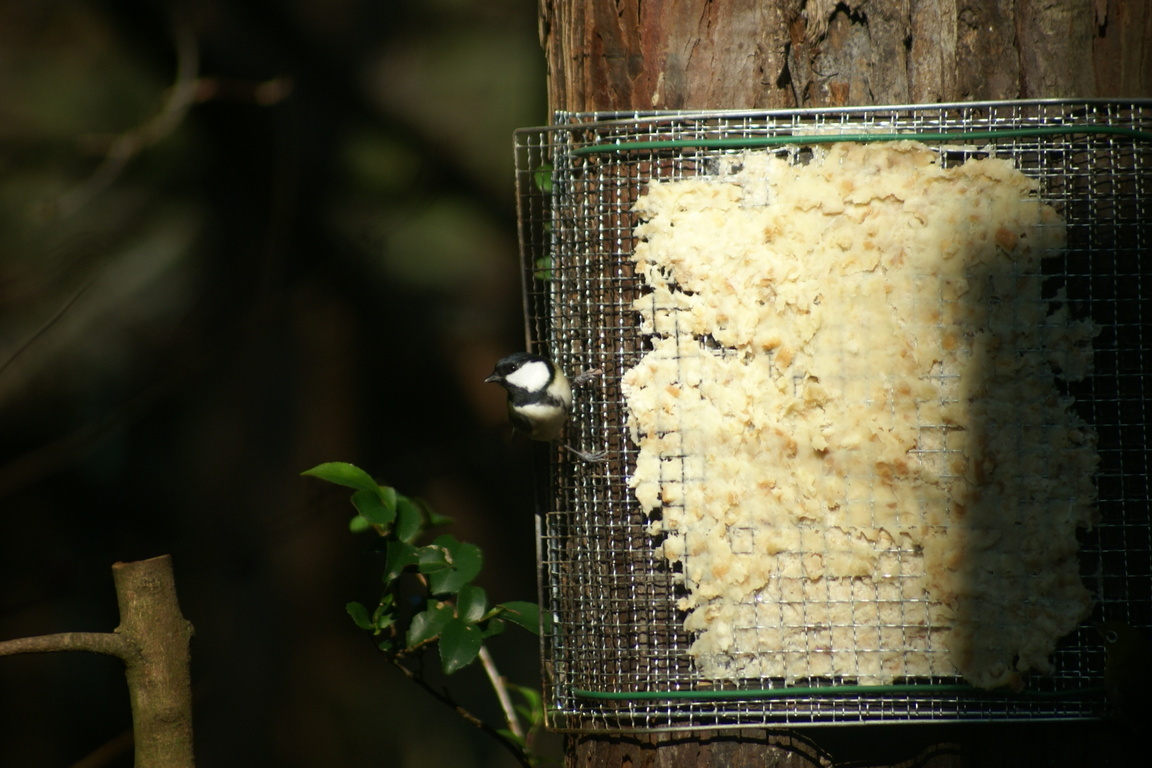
(616, 657)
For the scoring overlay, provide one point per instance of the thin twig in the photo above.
(501, 689)
(63, 310)
(93, 642)
(470, 718)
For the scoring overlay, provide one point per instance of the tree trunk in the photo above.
(696, 54)
(606, 55)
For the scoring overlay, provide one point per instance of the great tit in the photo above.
(539, 397)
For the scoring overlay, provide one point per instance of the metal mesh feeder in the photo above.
(847, 620)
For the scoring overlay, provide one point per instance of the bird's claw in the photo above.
(586, 455)
(584, 377)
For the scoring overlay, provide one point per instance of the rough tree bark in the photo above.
(696, 54)
(606, 55)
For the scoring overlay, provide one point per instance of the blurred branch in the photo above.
(108, 752)
(441, 168)
(124, 147)
(262, 94)
(51, 457)
(63, 310)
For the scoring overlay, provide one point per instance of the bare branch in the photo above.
(92, 642)
(152, 640)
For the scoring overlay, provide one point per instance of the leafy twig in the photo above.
(452, 613)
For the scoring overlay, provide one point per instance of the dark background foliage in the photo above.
(316, 262)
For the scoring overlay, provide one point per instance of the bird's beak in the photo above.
(493, 379)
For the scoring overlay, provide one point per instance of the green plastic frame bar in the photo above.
(832, 690)
(940, 136)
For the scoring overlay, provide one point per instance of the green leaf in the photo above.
(532, 710)
(429, 623)
(409, 519)
(459, 645)
(471, 603)
(492, 628)
(373, 508)
(431, 558)
(360, 615)
(435, 518)
(398, 555)
(385, 614)
(509, 736)
(359, 524)
(525, 614)
(342, 473)
(464, 561)
(543, 178)
(542, 268)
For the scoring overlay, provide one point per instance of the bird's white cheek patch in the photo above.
(531, 377)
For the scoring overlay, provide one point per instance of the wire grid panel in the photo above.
(616, 654)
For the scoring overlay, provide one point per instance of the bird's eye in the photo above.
(1111, 636)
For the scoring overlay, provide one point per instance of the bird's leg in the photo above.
(580, 380)
(584, 377)
(586, 456)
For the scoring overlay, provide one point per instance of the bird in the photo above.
(539, 397)
(1127, 671)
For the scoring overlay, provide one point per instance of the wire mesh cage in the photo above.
(637, 639)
